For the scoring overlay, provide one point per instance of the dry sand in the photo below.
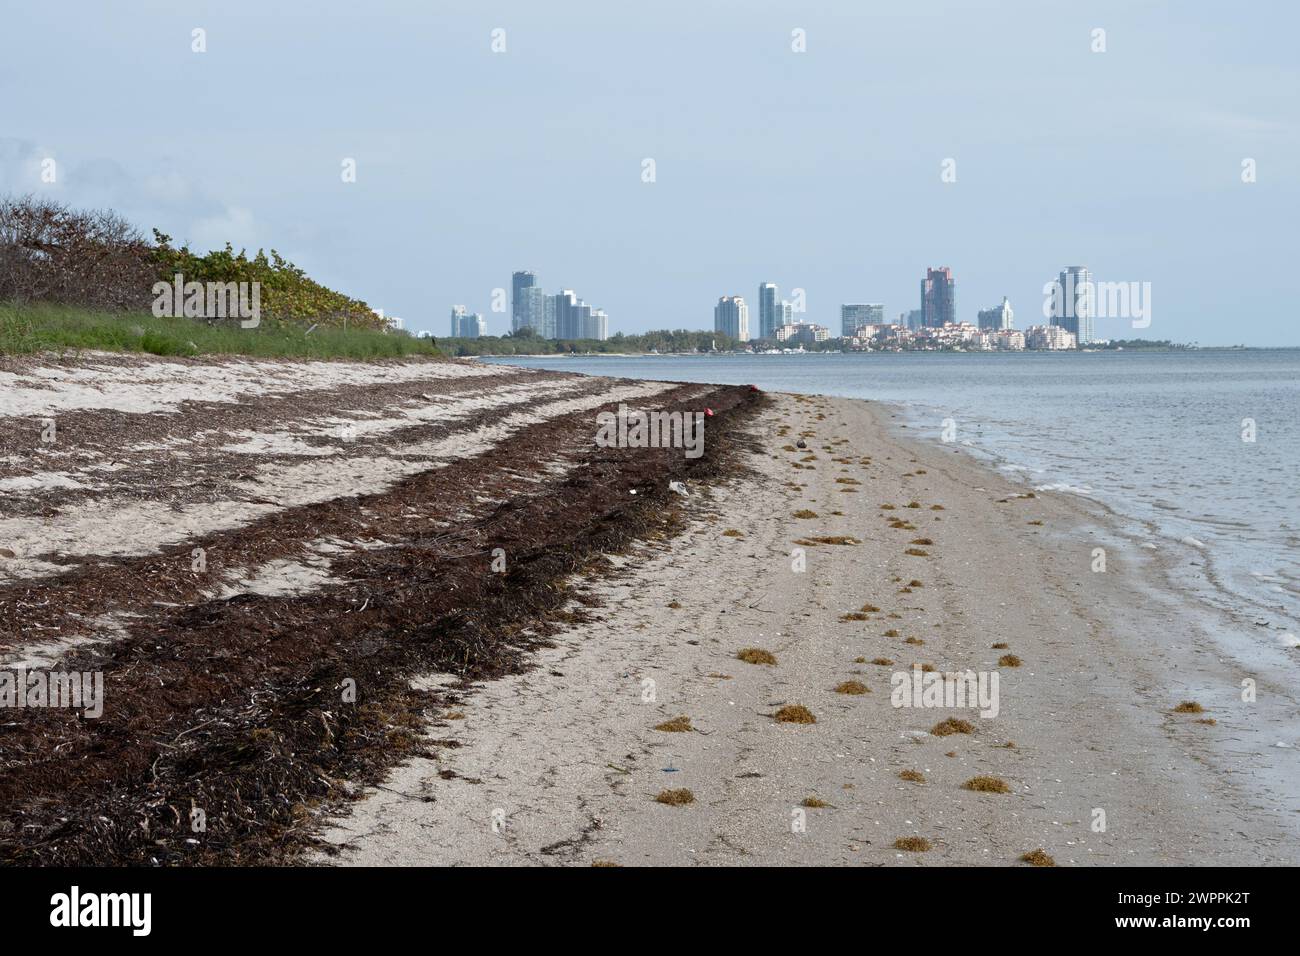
(561, 765)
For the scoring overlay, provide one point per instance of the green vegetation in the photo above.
(36, 328)
(287, 294)
(526, 342)
(1138, 344)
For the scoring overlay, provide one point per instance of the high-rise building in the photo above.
(938, 298)
(997, 318)
(771, 312)
(521, 315)
(465, 324)
(1071, 306)
(566, 315)
(857, 314)
(534, 314)
(731, 317)
(594, 324)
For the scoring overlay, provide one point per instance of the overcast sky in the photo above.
(818, 170)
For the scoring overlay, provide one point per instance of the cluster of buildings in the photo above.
(559, 316)
(933, 326)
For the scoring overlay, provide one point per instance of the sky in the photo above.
(821, 169)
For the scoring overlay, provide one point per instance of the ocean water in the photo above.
(1156, 437)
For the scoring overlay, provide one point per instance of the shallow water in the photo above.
(1157, 437)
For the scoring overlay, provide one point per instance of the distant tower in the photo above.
(998, 318)
(521, 302)
(1072, 306)
(771, 315)
(938, 298)
(731, 317)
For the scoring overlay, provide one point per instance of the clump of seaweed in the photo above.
(1009, 660)
(986, 784)
(733, 533)
(1189, 707)
(912, 844)
(675, 798)
(805, 513)
(917, 553)
(852, 687)
(795, 714)
(952, 725)
(1037, 857)
(912, 776)
(814, 803)
(756, 655)
(882, 661)
(678, 725)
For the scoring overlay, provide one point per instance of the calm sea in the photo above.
(1158, 437)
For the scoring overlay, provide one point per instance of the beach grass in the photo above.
(29, 329)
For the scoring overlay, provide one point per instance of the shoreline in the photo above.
(346, 513)
(561, 764)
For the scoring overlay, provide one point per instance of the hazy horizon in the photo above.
(818, 170)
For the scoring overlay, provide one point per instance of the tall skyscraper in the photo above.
(1072, 303)
(535, 312)
(854, 315)
(938, 298)
(521, 315)
(997, 318)
(566, 315)
(771, 315)
(731, 317)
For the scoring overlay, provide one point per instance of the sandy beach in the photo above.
(237, 546)
(562, 764)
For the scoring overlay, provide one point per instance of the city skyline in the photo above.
(1142, 178)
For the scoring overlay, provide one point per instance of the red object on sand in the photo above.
(708, 412)
(753, 388)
